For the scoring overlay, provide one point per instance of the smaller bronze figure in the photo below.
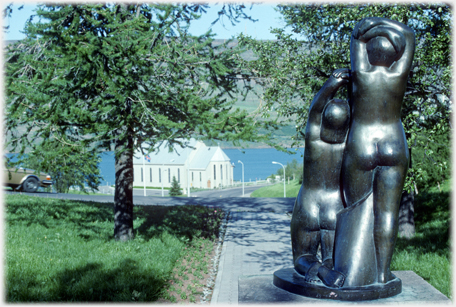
(319, 200)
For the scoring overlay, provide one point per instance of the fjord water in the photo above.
(257, 163)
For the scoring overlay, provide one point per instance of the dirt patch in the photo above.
(191, 276)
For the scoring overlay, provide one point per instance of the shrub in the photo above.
(175, 188)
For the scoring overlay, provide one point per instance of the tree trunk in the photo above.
(406, 219)
(123, 197)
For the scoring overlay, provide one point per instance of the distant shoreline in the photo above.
(222, 147)
(250, 146)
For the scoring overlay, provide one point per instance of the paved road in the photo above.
(230, 192)
(227, 203)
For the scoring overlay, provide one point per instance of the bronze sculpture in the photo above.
(372, 174)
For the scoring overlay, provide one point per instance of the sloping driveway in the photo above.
(209, 198)
(232, 204)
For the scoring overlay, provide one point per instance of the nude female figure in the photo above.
(319, 200)
(376, 156)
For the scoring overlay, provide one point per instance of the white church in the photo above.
(196, 165)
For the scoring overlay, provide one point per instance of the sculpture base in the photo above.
(289, 280)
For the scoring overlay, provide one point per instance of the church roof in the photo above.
(164, 155)
(197, 155)
(219, 156)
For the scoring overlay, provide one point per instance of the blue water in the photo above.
(257, 163)
(11, 156)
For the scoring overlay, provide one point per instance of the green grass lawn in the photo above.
(276, 190)
(428, 254)
(63, 251)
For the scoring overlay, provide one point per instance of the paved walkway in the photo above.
(255, 243)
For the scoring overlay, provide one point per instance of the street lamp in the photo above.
(188, 174)
(239, 161)
(284, 190)
(163, 194)
(144, 174)
(188, 181)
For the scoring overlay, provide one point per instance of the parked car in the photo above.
(23, 179)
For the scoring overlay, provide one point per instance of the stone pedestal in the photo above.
(289, 280)
(259, 289)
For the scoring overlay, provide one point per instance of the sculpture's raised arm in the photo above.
(369, 31)
(338, 78)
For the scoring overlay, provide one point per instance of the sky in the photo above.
(264, 13)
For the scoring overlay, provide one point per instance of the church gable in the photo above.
(219, 156)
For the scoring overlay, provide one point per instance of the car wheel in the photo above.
(30, 185)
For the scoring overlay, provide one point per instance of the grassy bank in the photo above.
(276, 190)
(63, 251)
(428, 254)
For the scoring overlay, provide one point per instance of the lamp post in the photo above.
(144, 174)
(239, 161)
(163, 194)
(163, 165)
(284, 189)
(188, 182)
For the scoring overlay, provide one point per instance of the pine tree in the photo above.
(175, 188)
(120, 76)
